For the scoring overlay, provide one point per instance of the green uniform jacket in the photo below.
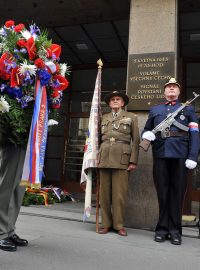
(120, 141)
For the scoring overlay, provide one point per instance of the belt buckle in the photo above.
(165, 133)
(112, 140)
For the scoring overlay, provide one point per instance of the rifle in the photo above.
(164, 126)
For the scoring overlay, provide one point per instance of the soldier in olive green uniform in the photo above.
(117, 156)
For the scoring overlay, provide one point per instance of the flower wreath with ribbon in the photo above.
(31, 88)
(27, 56)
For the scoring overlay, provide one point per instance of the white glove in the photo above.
(190, 164)
(148, 135)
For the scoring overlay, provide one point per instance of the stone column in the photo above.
(153, 29)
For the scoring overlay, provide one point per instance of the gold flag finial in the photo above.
(100, 63)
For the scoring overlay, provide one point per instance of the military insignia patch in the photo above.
(182, 117)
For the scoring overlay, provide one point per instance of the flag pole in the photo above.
(100, 65)
(97, 201)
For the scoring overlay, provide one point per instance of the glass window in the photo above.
(75, 148)
(83, 89)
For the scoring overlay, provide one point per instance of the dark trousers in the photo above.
(170, 178)
(11, 194)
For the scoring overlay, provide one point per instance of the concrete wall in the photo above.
(153, 29)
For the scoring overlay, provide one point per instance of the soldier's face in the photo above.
(116, 103)
(172, 91)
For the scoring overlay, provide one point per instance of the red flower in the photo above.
(54, 50)
(5, 56)
(63, 82)
(19, 27)
(21, 43)
(56, 106)
(55, 94)
(15, 77)
(30, 46)
(3, 73)
(39, 63)
(9, 24)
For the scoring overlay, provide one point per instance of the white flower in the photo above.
(52, 122)
(63, 69)
(4, 106)
(26, 34)
(2, 32)
(51, 66)
(25, 68)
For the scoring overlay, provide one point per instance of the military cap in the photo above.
(116, 94)
(172, 81)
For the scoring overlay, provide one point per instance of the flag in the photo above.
(92, 144)
(36, 147)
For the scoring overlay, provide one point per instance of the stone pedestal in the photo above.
(153, 29)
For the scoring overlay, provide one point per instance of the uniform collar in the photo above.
(116, 114)
(174, 102)
(110, 118)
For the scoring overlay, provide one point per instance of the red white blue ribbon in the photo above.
(35, 153)
(193, 126)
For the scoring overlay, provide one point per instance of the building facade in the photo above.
(142, 43)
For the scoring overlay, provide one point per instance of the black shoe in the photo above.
(159, 237)
(18, 241)
(176, 239)
(7, 245)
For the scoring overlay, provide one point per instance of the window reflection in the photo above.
(75, 148)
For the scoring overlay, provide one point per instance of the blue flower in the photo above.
(3, 87)
(34, 29)
(44, 76)
(14, 92)
(23, 50)
(25, 100)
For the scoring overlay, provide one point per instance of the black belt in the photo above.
(113, 140)
(172, 133)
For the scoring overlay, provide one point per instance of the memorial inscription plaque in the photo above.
(147, 73)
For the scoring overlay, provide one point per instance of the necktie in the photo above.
(114, 115)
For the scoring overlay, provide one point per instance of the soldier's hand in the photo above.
(131, 166)
(190, 164)
(148, 135)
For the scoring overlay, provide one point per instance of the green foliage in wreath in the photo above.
(15, 124)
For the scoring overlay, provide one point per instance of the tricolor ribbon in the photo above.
(35, 153)
(193, 126)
